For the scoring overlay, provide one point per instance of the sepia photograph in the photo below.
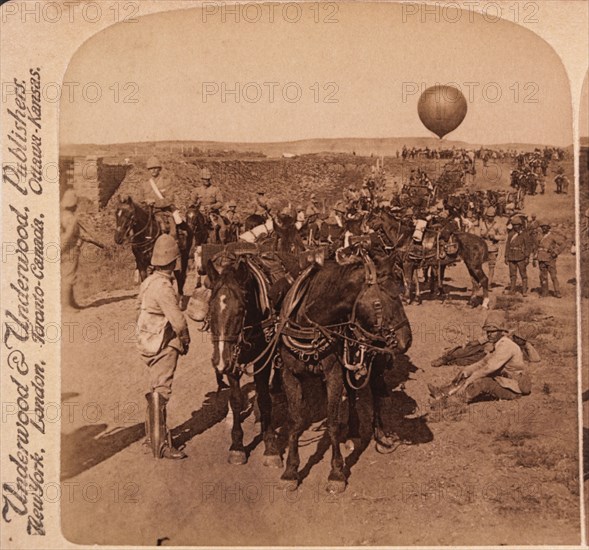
(322, 278)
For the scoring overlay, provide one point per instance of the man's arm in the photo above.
(168, 302)
(489, 364)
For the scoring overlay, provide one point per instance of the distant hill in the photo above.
(359, 146)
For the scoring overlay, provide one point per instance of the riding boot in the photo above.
(160, 437)
(557, 293)
(147, 441)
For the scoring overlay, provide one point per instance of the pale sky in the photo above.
(372, 53)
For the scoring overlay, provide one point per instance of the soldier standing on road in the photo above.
(162, 335)
(72, 237)
(493, 233)
(549, 246)
(517, 254)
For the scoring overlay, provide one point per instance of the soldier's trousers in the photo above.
(521, 267)
(488, 387)
(161, 368)
(69, 275)
(492, 261)
(546, 269)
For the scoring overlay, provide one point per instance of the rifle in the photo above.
(90, 239)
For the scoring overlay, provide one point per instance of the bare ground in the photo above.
(496, 473)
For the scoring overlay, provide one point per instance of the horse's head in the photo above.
(197, 223)
(124, 219)
(289, 240)
(227, 309)
(389, 319)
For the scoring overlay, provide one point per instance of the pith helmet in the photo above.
(517, 220)
(165, 251)
(153, 162)
(544, 223)
(205, 174)
(490, 212)
(69, 199)
(496, 321)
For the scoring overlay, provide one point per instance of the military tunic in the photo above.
(160, 326)
(209, 197)
(548, 249)
(517, 255)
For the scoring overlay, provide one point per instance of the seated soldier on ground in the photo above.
(500, 373)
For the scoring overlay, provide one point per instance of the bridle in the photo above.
(130, 235)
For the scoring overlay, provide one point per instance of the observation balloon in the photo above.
(442, 109)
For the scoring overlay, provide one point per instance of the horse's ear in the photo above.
(211, 272)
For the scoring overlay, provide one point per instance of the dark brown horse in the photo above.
(240, 321)
(347, 314)
(448, 247)
(138, 226)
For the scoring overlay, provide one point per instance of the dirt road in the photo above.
(507, 471)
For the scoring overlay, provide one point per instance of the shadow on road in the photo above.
(92, 444)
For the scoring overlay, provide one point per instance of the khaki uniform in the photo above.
(508, 379)
(209, 197)
(159, 326)
(70, 256)
(547, 253)
(158, 193)
(517, 256)
(493, 234)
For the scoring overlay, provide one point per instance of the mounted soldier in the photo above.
(158, 194)
(209, 199)
(234, 219)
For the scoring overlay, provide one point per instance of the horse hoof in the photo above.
(289, 485)
(272, 461)
(237, 457)
(383, 449)
(335, 487)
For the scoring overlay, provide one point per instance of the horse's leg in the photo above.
(271, 453)
(236, 451)
(408, 277)
(417, 289)
(335, 384)
(294, 397)
(384, 443)
(440, 281)
(353, 418)
(479, 279)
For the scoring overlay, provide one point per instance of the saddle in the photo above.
(433, 247)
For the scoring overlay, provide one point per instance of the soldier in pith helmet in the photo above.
(162, 335)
